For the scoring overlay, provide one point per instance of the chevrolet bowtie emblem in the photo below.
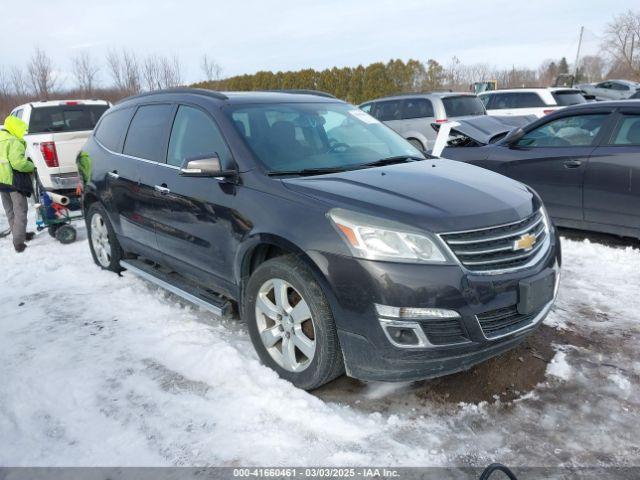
(525, 242)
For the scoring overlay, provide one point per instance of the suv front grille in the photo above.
(495, 248)
(444, 332)
(503, 321)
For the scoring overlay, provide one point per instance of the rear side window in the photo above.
(417, 108)
(619, 86)
(462, 106)
(113, 128)
(576, 131)
(568, 97)
(628, 131)
(147, 133)
(366, 107)
(65, 118)
(194, 134)
(385, 111)
(501, 101)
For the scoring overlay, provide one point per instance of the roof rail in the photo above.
(199, 91)
(302, 91)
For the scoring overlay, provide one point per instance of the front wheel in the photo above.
(291, 324)
(105, 249)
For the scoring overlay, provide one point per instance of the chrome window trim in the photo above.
(135, 158)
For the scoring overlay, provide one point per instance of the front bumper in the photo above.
(355, 286)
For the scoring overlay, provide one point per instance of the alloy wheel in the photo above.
(285, 325)
(100, 240)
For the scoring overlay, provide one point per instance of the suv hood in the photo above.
(435, 195)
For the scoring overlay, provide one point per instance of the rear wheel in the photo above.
(291, 324)
(105, 249)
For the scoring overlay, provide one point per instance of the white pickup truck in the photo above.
(57, 130)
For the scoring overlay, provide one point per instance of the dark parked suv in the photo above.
(340, 244)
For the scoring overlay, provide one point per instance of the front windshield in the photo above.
(308, 136)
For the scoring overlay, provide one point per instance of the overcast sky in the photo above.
(249, 35)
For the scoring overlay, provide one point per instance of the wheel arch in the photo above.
(263, 247)
(413, 135)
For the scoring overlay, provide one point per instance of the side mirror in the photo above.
(205, 166)
(513, 136)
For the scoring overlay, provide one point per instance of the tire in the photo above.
(416, 143)
(66, 234)
(105, 249)
(52, 229)
(288, 274)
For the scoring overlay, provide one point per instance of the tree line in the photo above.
(127, 73)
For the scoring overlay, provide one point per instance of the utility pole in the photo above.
(575, 67)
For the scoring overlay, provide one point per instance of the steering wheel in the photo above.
(338, 147)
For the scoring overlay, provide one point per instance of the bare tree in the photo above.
(161, 72)
(211, 69)
(115, 70)
(151, 72)
(85, 72)
(124, 70)
(170, 72)
(5, 83)
(41, 75)
(591, 68)
(19, 82)
(622, 42)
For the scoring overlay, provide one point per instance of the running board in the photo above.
(181, 287)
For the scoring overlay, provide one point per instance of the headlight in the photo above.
(377, 239)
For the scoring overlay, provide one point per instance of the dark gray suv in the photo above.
(339, 244)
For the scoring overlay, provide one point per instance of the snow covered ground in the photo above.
(97, 369)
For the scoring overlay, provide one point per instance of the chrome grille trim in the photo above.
(511, 258)
(517, 233)
(491, 250)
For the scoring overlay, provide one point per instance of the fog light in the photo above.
(415, 313)
(403, 336)
(401, 326)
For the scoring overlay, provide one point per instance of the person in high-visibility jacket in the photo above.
(15, 179)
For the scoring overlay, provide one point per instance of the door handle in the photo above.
(572, 164)
(114, 174)
(162, 189)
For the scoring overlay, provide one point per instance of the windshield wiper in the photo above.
(308, 171)
(392, 160)
(320, 171)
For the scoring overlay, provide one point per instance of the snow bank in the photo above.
(97, 369)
